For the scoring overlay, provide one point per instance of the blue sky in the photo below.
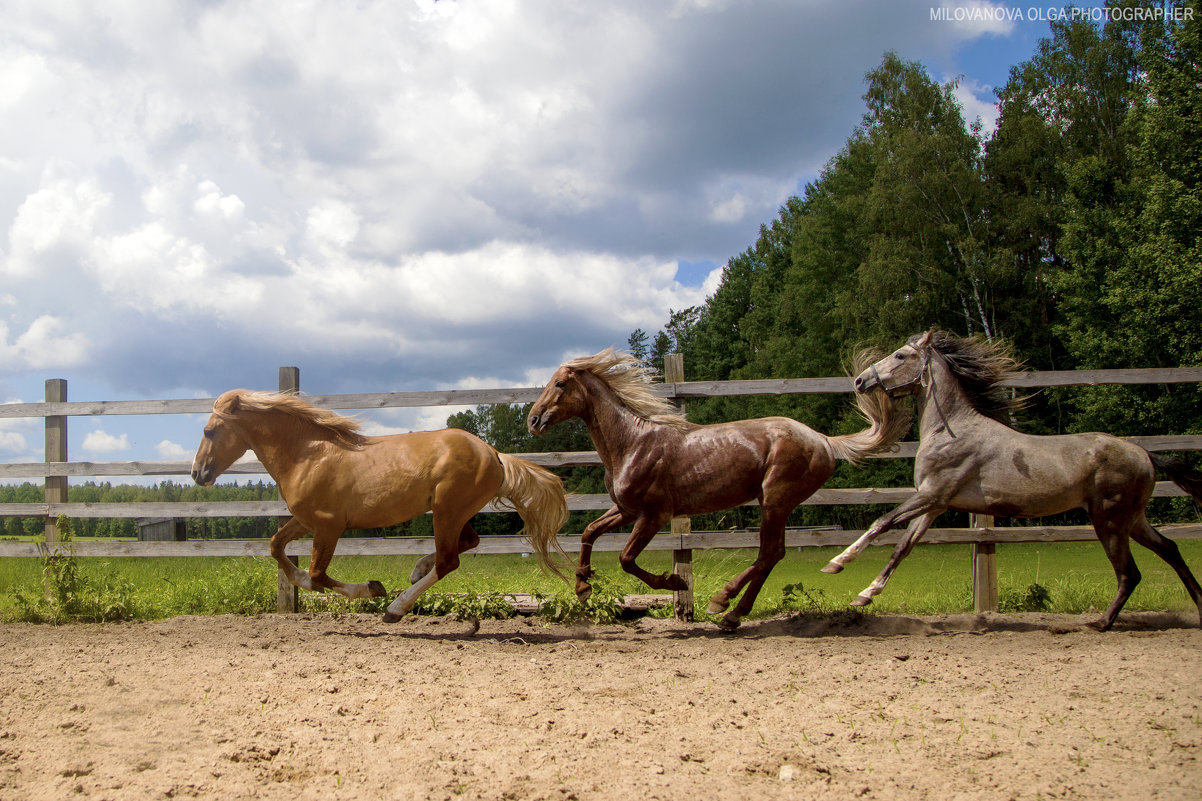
(405, 195)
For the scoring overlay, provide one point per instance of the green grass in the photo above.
(935, 579)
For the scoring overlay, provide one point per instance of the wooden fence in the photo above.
(982, 536)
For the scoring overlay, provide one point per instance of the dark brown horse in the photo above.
(334, 478)
(659, 466)
(971, 461)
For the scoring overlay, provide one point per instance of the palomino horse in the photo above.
(334, 478)
(659, 466)
(970, 461)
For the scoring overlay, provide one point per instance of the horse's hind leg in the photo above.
(751, 580)
(453, 508)
(1146, 535)
(468, 539)
(324, 542)
(1115, 538)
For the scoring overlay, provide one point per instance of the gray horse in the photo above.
(969, 460)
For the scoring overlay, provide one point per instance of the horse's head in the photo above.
(222, 442)
(900, 372)
(561, 399)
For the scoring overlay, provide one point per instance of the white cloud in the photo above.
(211, 203)
(102, 442)
(42, 346)
(172, 451)
(59, 217)
(979, 103)
(12, 443)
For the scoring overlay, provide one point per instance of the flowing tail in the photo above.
(537, 496)
(888, 422)
(1180, 473)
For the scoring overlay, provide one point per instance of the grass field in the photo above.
(935, 579)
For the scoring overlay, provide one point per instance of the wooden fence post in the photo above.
(287, 597)
(682, 558)
(56, 451)
(984, 569)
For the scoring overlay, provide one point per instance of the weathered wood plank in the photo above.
(408, 546)
(1091, 378)
(681, 389)
(576, 503)
(906, 450)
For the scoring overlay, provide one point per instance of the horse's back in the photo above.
(1031, 475)
(441, 451)
(738, 459)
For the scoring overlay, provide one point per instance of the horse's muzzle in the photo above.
(201, 477)
(866, 382)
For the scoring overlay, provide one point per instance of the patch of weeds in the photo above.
(71, 595)
(603, 606)
(796, 598)
(1036, 598)
(466, 605)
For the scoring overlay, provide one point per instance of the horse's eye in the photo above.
(901, 357)
(208, 433)
(560, 385)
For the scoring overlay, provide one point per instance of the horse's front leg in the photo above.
(325, 540)
(286, 533)
(613, 518)
(904, 513)
(645, 529)
(917, 528)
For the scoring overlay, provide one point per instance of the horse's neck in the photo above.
(611, 424)
(276, 440)
(943, 403)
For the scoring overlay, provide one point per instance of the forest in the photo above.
(1070, 231)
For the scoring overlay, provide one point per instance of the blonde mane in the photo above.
(344, 429)
(631, 382)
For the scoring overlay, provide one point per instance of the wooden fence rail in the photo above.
(57, 469)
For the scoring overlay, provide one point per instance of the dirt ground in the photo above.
(879, 707)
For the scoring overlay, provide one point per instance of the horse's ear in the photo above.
(227, 403)
(925, 339)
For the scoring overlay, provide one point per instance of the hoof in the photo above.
(862, 600)
(832, 568)
(584, 593)
(716, 606)
(389, 617)
(376, 589)
(1099, 625)
(729, 623)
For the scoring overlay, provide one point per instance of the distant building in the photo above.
(172, 529)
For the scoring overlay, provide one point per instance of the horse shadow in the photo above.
(805, 625)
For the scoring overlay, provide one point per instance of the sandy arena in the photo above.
(317, 707)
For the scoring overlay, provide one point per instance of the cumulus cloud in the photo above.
(45, 344)
(102, 442)
(12, 443)
(172, 451)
